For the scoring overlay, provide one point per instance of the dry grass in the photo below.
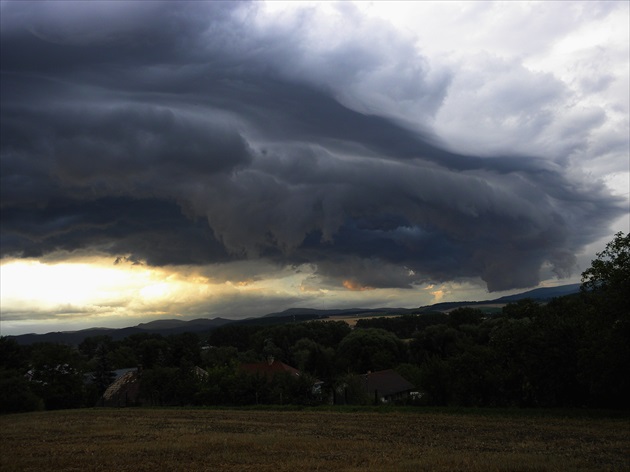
(242, 440)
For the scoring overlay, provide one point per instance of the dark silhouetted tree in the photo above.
(371, 349)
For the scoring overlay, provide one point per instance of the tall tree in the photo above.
(103, 375)
(371, 349)
(606, 287)
(607, 281)
(57, 375)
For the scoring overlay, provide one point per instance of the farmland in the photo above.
(314, 439)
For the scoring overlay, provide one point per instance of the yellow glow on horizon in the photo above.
(52, 284)
(95, 292)
(45, 296)
(35, 284)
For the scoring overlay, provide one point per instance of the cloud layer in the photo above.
(198, 133)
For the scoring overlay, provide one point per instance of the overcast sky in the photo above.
(203, 159)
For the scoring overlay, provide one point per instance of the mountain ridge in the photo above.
(174, 326)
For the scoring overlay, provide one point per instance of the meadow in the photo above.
(361, 439)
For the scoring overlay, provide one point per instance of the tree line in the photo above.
(571, 352)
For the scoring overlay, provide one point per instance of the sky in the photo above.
(204, 159)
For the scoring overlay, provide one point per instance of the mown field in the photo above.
(313, 440)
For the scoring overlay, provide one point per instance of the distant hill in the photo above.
(538, 294)
(542, 294)
(162, 327)
(181, 326)
(174, 326)
(301, 312)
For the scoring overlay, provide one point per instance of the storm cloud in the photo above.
(196, 133)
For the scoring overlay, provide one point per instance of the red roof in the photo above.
(386, 382)
(270, 368)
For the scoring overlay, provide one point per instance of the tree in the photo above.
(234, 335)
(103, 375)
(90, 345)
(465, 315)
(605, 359)
(159, 385)
(437, 380)
(184, 348)
(608, 278)
(525, 308)
(350, 389)
(436, 341)
(313, 358)
(476, 377)
(371, 349)
(16, 394)
(153, 352)
(12, 355)
(57, 375)
(121, 357)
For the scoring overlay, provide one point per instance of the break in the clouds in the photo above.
(336, 136)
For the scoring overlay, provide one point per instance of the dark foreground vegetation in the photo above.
(279, 440)
(571, 352)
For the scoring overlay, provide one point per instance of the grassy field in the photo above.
(312, 440)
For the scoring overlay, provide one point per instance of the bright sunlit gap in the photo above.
(96, 292)
(48, 285)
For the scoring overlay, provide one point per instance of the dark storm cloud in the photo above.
(181, 134)
(153, 231)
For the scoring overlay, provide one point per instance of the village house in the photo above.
(124, 391)
(270, 368)
(386, 386)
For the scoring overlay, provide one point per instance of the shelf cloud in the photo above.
(201, 133)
